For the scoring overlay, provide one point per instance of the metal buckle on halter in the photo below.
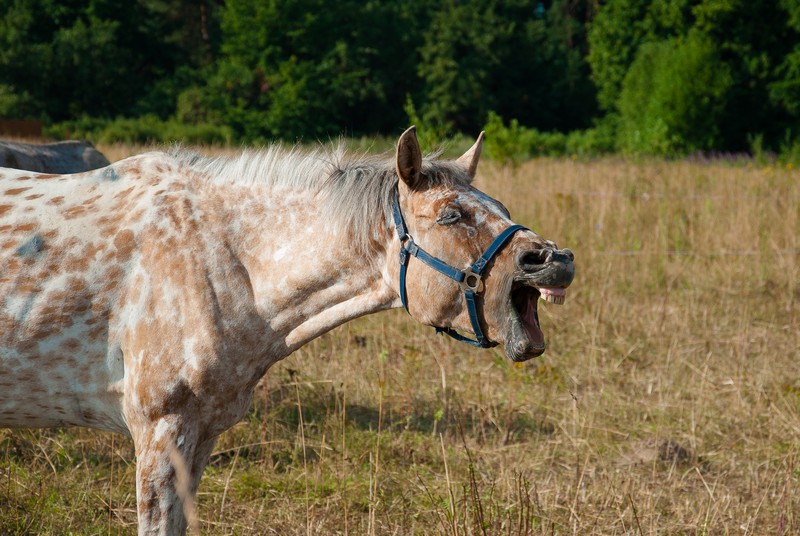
(403, 256)
(472, 281)
(404, 252)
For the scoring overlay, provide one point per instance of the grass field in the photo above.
(668, 401)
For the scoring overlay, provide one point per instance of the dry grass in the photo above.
(668, 401)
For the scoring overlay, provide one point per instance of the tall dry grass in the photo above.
(668, 401)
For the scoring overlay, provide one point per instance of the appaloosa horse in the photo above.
(60, 157)
(149, 298)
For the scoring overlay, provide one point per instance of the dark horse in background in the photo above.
(59, 157)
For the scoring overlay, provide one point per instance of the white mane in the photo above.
(356, 189)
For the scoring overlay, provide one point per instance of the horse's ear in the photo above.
(470, 159)
(409, 158)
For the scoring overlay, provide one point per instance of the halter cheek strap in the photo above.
(470, 279)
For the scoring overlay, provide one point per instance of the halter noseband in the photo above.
(469, 279)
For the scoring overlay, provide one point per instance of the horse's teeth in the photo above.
(558, 300)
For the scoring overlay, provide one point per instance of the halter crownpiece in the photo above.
(470, 280)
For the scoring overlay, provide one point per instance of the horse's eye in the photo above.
(449, 217)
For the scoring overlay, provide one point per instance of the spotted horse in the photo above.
(148, 298)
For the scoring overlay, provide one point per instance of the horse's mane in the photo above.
(355, 188)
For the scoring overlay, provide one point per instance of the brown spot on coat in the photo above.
(125, 242)
(71, 345)
(16, 191)
(74, 212)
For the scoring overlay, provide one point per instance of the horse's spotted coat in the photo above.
(148, 298)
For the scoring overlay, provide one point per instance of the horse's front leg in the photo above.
(170, 458)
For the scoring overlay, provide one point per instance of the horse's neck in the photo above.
(306, 276)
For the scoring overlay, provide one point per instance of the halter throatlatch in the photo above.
(470, 280)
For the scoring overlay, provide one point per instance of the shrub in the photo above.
(515, 143)
(431, 133)
(509, 144)
(673, 97)
(145, 129)
(790, 152)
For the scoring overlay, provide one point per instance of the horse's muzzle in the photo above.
(546, 267)
(540, 273)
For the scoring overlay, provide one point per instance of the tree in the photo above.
(785, 90)
(673, 97)
(753, 44)
(310, 68)
(522, 59)
(619, 29)
(99, 58)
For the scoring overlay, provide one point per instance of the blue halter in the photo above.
(469, 279)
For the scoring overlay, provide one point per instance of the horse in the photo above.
(149, 297)
(59, 157)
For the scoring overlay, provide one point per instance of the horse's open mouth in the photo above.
(526, 339)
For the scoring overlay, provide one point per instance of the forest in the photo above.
(659, 77)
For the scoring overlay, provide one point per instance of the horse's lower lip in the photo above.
(519, 358)
(525, 339)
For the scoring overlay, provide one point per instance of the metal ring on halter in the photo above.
(472, 281)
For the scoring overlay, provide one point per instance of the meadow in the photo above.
(667, 402)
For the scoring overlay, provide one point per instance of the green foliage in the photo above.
(789, 154)
(514, 143)
(510, 57)
(615, 35)
(146, 129)
(620, 29)
(102, 58)
(309, 68)
(673, 97)
(785, 89)
(508, 144)
(15, 103)
(697, 74)
(431, 134)
(656, 77)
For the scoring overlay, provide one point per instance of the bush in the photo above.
(508, 144)
(673, 97)
(145, 129)
(430, 132)
(515, 143)
(593, 141)
(790, 152)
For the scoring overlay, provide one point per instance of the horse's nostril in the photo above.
(568, 253)
(530, 260)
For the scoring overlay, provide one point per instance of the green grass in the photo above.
(667, 401)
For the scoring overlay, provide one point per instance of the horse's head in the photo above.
(461, 246)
